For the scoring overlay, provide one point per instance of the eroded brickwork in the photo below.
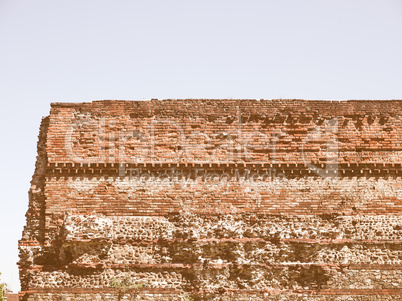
(216, 200)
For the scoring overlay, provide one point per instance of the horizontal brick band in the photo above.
(351, 292)
(194, 170)
(218, 266)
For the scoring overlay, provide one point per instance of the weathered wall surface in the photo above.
(216, 199)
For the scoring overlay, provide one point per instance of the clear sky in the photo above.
(85, 50)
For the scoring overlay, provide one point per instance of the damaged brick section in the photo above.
(216, 200)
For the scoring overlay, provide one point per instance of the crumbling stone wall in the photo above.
(216, 200)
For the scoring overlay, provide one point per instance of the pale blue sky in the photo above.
(77, 51)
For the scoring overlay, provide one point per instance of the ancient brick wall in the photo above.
(216, 200)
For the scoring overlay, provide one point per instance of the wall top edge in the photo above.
(200, 100)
